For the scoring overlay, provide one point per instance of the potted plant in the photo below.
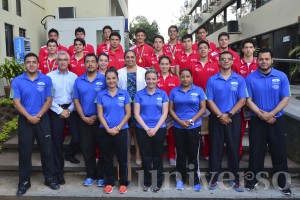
(9, 70)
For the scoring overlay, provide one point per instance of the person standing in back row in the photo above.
(88, 48)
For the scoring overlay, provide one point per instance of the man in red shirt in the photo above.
(223, 40)
(247, 66)
(152, 60)
(116, 53)
(49, 63)
(203, 70)
(52, 34)
(77, 60)
(141, 48)
(188, 57)
(202, 33)
(174, 45)
(80, 33)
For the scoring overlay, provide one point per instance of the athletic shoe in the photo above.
(213, 185)
(179, 185)
(146, 188)
(100, 183)
(172, 162)
(236, 186)
(155, 189)
(250, 187)
(197, 188)
(89, 182)
(123, 189)
(286, 192)
(108, 189)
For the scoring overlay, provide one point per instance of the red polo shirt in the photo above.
(214, 56)
(202, 73)
(153, 61)
(88, 49)
(142, 52)
(171, 51)
(43, 54)
(168, 83)
(77, 66)
(104, 48)
(243, 69)
(48, 66)
(116, 59)
(212, 46)
(186, 61)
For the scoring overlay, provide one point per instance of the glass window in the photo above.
(22, 32)
(220, 21)
(9, 40)
(5, 5)
(18, 7)
(231, 12)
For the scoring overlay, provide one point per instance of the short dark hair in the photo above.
(202, 27)
(127, 51)
(164, 57)
(52, 41)
(173, 26)
(265, 50)
(139, 30)
(225, 52)
(111, 69)
(151, 70)
(107, 27)
(115, 34)
(223, 34)
(53, 30)
(203, 42)
(79, 29)
(91, 55)
(185, 70)
(103, 54)
(31, 55)
(186, 36)
(159, 36)
(250, 40)
(80, 40)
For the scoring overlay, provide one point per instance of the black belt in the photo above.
(64, 106)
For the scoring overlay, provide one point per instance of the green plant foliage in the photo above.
(294, 70)
(7, 128)
(11, 69)
(6, 102)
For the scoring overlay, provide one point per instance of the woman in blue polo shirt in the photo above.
(114, 110)
(150, 112)
(187, 105)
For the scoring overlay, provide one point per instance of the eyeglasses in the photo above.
(226, 59)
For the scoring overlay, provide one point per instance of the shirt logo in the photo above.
(41, 86)
(234, 86)
(275, 83)
(159, 101)
(121, 101)
(98, 86)
(243, 71)
(194, 97)
(214, 53)
(171, 84)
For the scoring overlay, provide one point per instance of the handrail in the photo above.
(286, 60)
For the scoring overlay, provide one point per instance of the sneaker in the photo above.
(155, 189)
(172, 162)
(197, 188)
(108, 189)
(146, 188)
(236, 186)
(100, 183)
(89, 182)
(179, 185)
(123, 189)
(213, 185)
(206, 158)
(250, 187)
(286, 192)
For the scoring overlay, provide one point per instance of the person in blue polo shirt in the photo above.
(226, 94)
(86, 88)
(150, 112)
(32, 97)
(269, 92)
(187, 105)
(114, 111)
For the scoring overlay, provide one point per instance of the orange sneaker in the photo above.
(108, 189)
(123, 189)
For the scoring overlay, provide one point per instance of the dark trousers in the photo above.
(151, 149)
(57, 132)
(27, 134)
(89, 139)
(230, 134)
(262, 134)
(117, 144)
(187, 143)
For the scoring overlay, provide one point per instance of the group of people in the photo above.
(147, 94)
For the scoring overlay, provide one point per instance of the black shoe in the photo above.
(286, 192)
(155, 189)
(52, 184)
(23, 187)
(61, 180)
(72, 159)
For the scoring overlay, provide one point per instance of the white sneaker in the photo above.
(172, 162)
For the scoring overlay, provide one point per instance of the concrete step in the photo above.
(73, 189)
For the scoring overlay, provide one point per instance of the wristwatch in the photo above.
(192, 122)
(230, 115)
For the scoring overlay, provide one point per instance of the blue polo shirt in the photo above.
(151, 106)
(113, 107)
(267, 91)
(187, 104)
(87, 91)
(226, 93)
(32, 94)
